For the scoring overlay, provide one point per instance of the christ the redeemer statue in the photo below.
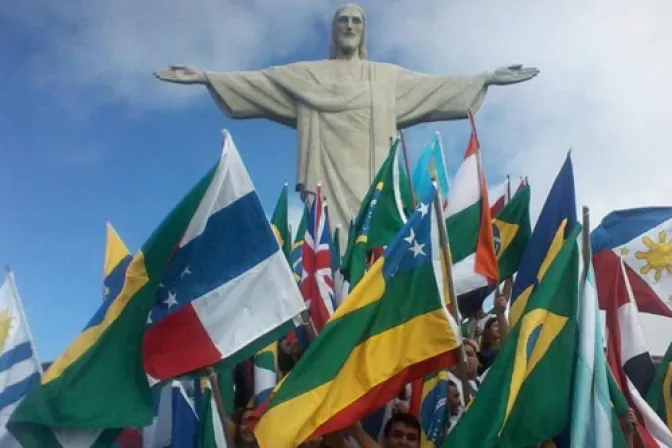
(345, 109)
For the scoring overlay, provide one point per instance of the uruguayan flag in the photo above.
(19, 368)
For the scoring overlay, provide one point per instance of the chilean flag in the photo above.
(228, 290)
(317, 284)
(642, 238)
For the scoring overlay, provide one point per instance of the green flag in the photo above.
(525, 399)
(99, 382)
(659, 396)
(380, 217)
(211, 431)
(297, 248)
(512, 230)
(280, 223)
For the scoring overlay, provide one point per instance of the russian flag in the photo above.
(228, 290)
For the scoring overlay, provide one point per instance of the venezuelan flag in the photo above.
(355, 365)
(557, 219)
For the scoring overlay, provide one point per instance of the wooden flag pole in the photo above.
(214, 385)
(452, 307)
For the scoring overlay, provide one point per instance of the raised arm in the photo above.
(239, 94)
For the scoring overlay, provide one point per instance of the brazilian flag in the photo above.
(526, 398)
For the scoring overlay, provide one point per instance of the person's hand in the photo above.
(182, 74)
(511, 74)
(500, 303)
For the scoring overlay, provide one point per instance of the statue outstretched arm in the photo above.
(181, 74)
(239, 94)
(422, 98)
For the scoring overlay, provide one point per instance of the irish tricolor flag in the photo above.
(470, 224)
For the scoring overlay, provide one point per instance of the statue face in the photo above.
(349, 29)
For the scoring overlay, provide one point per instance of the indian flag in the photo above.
(470, 225)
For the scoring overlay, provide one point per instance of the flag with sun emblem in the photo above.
(535, 361)
(20, 367)
(642, 238)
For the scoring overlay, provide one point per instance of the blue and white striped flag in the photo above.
(19, 367)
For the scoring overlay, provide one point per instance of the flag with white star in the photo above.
(228, 290)
(355, 365)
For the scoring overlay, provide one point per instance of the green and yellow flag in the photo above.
(375, 343)
(280, 223)
(381, 215)
(659, 396)
(526, 397)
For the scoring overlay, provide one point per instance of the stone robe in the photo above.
(345, 113)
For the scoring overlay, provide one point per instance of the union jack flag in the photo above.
(317, 284)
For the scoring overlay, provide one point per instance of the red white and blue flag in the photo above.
(642, 239)
(317, 283)
(228, 290)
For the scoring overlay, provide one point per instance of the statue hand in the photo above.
(182, 75)
(511, 74)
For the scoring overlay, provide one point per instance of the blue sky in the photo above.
(87, 135)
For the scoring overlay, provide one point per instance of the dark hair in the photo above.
(452, 383)
(402, 417)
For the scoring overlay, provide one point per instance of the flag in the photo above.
(433, 411)
(500, 195)
(555, 221)
(228, 290)
(265, 372)
(659, 396)
(627, 353)
(212, 434)
(642, 238)
(280, 223)
(432, 161)
(380, 216)
(99, 382)
(525, 399)
(317, 283)
(591, 421)
(511, 232)
(297, 248)
(469, 224)
(341, 285)
(20, 369)
(355, 365)
(177, 422)
(117, 259)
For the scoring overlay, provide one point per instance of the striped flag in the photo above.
(20, 369)
(470, 225)
(317, 284)
(210, 305)
(355, 364)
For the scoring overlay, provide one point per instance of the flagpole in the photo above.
(508, 188)
(214, 385)
(408, 168)
(452, 306)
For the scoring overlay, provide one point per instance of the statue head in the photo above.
(348, 33)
